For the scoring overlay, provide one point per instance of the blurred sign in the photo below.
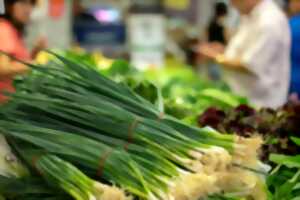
(96, 34)
(147, 40)
(56, 8)
(177, 4)
(2, 8)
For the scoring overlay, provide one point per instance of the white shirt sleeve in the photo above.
(261, 52)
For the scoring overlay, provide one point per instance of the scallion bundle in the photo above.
(71, 111)
(74, 182)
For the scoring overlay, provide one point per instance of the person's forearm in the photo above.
(10, 69)
(232, 64)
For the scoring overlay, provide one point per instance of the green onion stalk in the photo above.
(112, 165)
(59, 172)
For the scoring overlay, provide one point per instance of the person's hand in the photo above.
(210, 50)
(217, 46)
(41, 44)
(207, 51)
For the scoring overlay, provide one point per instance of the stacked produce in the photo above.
(92, 138)
(280, 130)
(275, 126)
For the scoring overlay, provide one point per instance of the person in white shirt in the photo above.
(257, 59)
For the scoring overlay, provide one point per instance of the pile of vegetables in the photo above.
(280, 130)
(82, 135)
(277, 127)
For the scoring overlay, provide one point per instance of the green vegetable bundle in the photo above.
(61, 173)
(107, 131)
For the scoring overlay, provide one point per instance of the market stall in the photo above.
(79, 131)
(119, 100)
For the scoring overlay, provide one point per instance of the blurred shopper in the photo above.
(217, 33)
(217, 29)
(257, 58)
(294, 11)
(12, 27)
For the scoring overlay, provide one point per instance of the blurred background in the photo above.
(116, 27)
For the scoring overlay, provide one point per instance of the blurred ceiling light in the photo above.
(107, 15)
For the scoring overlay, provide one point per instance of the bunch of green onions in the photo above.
(74, 182)
(72, 112)
(114, 165)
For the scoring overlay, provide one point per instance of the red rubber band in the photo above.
(131, 130)
(102, 162)
(35, 159)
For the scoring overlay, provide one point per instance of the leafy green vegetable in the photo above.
(278, 127)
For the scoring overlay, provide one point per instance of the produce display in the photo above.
(81, 126)
(279, 128)
(77, 134)
(276, 126)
